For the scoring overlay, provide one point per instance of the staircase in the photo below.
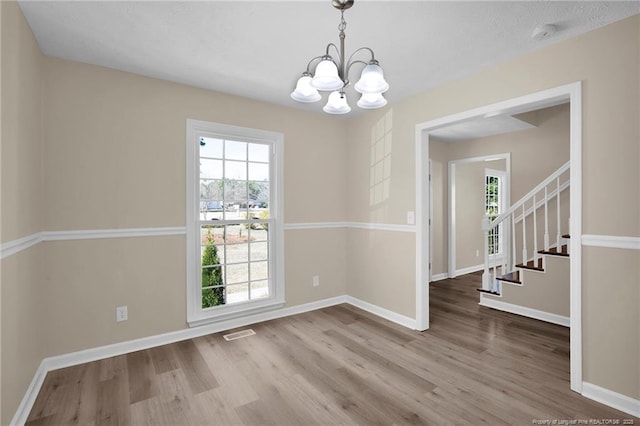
(521, 238)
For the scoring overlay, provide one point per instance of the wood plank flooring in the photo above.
(338, 365)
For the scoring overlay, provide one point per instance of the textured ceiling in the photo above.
(258, 49)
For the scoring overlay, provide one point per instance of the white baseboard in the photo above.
(470, 269)
(524, 311)
(612, 399)
(22, 413)
(439, 277)
(102, 352)
(121, 348)
(383, 313)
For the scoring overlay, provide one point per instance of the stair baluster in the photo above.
(513, 246)
(486, 278)
(546, 220)
(559, 234)
(524, 235)
(536, 255)
(491, 282)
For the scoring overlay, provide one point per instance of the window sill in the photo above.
(242, 311)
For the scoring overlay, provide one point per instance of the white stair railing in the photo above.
(515, 219)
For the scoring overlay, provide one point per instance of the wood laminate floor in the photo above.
(338, 365)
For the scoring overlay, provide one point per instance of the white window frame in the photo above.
(195, 314)
(503, 180)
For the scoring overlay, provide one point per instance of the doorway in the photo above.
(571, 93)
(466, 195)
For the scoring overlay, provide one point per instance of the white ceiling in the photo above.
(258, 49)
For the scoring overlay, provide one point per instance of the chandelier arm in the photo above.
(373, 56)
(311, 61)
(338, 56)
(355, 62)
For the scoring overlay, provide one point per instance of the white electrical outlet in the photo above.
(315, 280)
(121, 313)
(477, 253)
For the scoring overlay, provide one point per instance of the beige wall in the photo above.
(23, 302)
(22, 194)
(381, 263)
(544, 291)
(383, 269)
(469, 194)
(469, 211)
(85, 280)
(21, 201)
(115, 149)
(611, 316)
(535, 153)
(607, 62)
(321, 252)
(439, 156)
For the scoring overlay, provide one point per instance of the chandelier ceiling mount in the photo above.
(342, 5)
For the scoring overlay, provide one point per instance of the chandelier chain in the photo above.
(343, 24)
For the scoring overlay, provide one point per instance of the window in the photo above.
(494, 205)
(234, 226)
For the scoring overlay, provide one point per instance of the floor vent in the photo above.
(239, 335)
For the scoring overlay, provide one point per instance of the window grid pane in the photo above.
(492, 210)
(235, 193)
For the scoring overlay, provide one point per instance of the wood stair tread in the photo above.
(482, 290)
(553, 251)
(513, 277)
(532, 265)
(566, 236)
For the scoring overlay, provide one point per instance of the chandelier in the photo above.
(332, 74)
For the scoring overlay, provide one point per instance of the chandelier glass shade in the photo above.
(305, 92)
(337, 103)
(331, 74)
(326, 76)
(372, 101)
(372, 80)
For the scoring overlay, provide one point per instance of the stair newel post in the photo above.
(535, 232)
(546, 220)
(559, 234)
(486, 277)
(524, 235)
